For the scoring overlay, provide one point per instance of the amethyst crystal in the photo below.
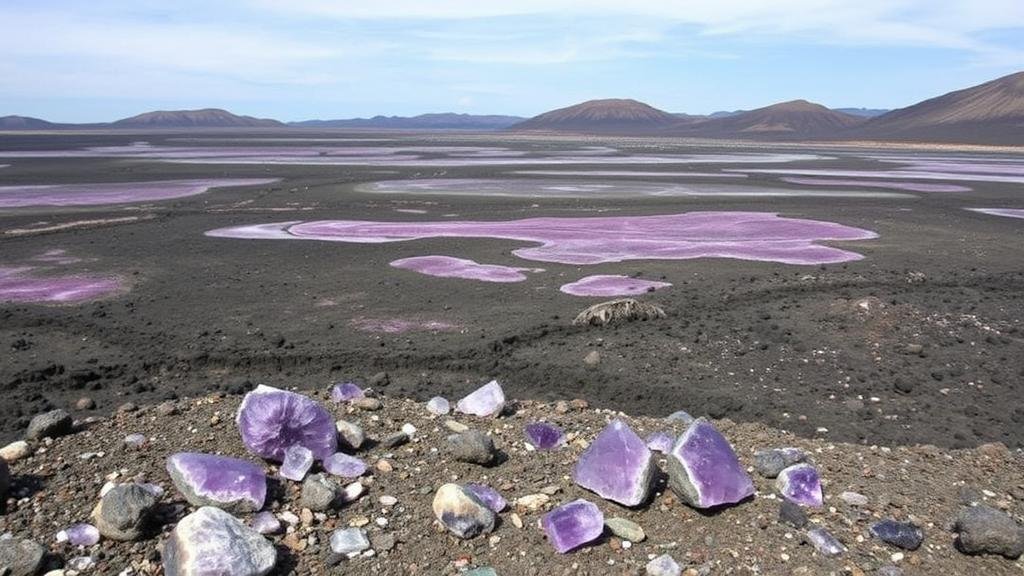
(211, 541)
(266, 523)
(825, 543)
(297, 462)
(208, 480)
(704, 471)
(273, 420)
(488, 496)
(572, 525)
(617, 466)
(486, 401)
(346, 392)
(800, 484)
(906, 535)
(544, 436)
(660, 442)
(461, 512)
(79, 535)
(346, 466)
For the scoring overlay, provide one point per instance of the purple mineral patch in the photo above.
(210, 480)
(116, 193)
(801, 485)
(401, 325)
(544, 436)
(448, 267)
(79, 535)
(1006, 212)
(704, 471)
(272, 420)
(605, 285)
(572, 525)
(616, 466)
(489, 496)
(20, 285)
(759, 236)
(343, 465)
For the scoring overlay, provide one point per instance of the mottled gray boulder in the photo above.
(770, 463)
(350, 435)
(211, 541)
(124, 512)
(472, 446)
(20, 557)
(984, 530)
(50, 425)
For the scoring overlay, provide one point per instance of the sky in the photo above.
(100, 60)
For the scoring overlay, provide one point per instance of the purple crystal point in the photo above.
(617, 466)
(79, 535)
(824, 542)
(346, 466)
(272, 420)
(544, 436)
(346, 392)
(297, 462)
(704, 471)
(486, 401)
(266, 523)
(800, 484)
(661, 442)
(572, 525)
(489, 496)
(208, 480)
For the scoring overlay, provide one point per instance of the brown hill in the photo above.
(795, 119)
(990, 113)
(602, 116)
(205, 118)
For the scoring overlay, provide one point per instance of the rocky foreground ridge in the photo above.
(340, 481)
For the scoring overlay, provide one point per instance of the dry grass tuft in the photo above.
(622, 310)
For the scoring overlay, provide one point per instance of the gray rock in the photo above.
(50, 425)
(472, 446)
(394, 440)
(319, 492)
(985, 530)
(5, 479)
(770, 463)
(124, 512)
(379, 380)
(593, 358)
(367, 403)
(85, 403)
(854, 499)
(211, 541)
(792, 514)
(350, 435)
(20, 557)
(681, 416)
(889, 570)
(625, 529)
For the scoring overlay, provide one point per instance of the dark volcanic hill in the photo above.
(603, 116)
(990, 113)
(439, 121)
(795, 119)
(205, 118)
(25, 123)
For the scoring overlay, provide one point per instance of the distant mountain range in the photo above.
(442, 121)
(991, 113)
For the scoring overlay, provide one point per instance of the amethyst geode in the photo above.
(228, 483)
(801, 485)
(272, 420)
(572, 525)
(544, 436)
(617, 466)
(704, 471)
